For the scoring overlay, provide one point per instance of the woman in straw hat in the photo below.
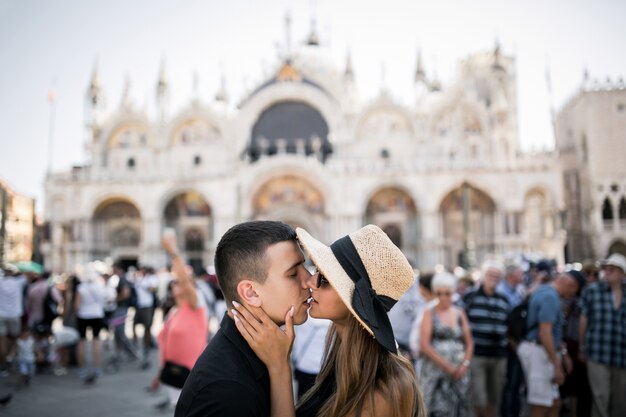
(358, 279)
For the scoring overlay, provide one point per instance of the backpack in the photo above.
(132, 300)
(50, 308)
(516, 322)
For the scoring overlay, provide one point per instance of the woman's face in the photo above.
(326, 303)
(444, 295)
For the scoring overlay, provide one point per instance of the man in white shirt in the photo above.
(307, 352)
(146, 286)
(11, 311)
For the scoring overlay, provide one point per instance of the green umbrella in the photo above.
(29, 266)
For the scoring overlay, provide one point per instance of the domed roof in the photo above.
(290, 124)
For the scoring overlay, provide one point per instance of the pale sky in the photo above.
(52, 45)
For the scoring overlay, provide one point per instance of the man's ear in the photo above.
(247, 293)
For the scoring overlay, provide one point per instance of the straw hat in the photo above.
(368, 272)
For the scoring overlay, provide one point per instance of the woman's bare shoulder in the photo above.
(381, 406)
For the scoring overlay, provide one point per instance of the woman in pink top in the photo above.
(185, 332)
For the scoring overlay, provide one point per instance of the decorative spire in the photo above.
(383, 78)
(126, 101)
(222, 95)
(162, 93)
(288, 36)
(94, 90)
(497, 66)
(349, 72)
(435, 84)
(162, 84)
(313, 37)
(196, 86)
(420, 74)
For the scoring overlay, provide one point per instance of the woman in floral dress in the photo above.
(446, 347)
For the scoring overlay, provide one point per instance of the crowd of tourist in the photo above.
(508, 340)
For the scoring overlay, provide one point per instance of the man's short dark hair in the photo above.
(241, 252)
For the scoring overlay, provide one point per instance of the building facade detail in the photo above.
(591, 142)
(444, 176)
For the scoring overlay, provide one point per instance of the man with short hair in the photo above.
(486, 312)
(540, 352)
(511, 286)
(261, 264)
(602, 334)
(145, 284)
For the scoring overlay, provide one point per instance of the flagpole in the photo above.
(50, 130)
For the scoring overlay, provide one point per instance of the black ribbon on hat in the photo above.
(372, 308)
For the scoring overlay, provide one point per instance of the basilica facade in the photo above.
(444, 176)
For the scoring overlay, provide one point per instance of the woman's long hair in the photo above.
(362, 367)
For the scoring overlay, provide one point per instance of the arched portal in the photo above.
(191, 217)
(293, 200)
(468, 219)
(393, 210)
(116, 231)
(618, 246)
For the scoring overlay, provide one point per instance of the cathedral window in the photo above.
(607, 213)
(622, 209)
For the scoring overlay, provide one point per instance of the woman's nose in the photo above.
(311, 281)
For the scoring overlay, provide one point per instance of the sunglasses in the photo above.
(321, 280)
(443, 293)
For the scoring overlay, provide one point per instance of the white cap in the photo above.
(616, 259)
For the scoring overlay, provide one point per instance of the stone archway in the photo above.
(116, 231)
(189, 214)
(617, 246)
(468, 221)
(393, 210)
(293, 200)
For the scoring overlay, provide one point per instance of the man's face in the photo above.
(569, 286)
(516, 277)
(613, 274)
(491, 279)
(286, 284)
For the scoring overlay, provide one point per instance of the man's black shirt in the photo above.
(228, 380)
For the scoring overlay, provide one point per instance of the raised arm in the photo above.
(179, 270)
(273, 346)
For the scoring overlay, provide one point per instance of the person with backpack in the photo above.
(41, 302)
(117, 323)
(541, 351)
(486, 312)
